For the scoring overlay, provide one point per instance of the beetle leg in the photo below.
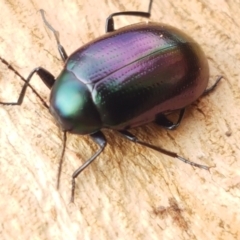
(61, 158)
(46, 77)
(61, 49)
(163, 121)
(132, 138)
(98, 138)
(210, 89)
(109, 27)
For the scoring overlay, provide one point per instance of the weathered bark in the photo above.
(130, 192)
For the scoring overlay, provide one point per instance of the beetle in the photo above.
(124, 79)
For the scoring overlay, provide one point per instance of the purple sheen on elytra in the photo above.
(136, 73)
(113, 51)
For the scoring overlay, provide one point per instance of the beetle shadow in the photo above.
(151, 132)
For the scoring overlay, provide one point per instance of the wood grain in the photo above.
(130, 192)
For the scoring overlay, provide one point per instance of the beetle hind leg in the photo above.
(163, 121)
(134, 139)
(212, 88)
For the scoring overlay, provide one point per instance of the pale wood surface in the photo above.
(129, 192)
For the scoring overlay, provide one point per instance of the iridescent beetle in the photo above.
(124, 79)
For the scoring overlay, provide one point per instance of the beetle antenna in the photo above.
(61, 159)
(61, 49)
(55, 32)
(24, 80)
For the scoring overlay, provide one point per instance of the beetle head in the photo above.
(72, 106)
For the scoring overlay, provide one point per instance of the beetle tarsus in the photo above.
(212, 88)
(163, 121)
(98, 138)
(132, 138)
(192, 163)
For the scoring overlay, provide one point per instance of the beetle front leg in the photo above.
(163, 121)
(109, 27)
(46, 77)
(132, 138)
(98, 138)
